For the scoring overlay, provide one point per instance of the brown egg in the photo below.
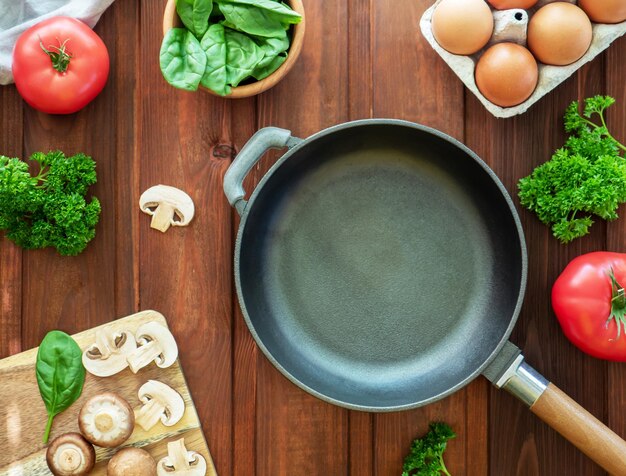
(462, 26)
(559, 33)
(506, 74)
(505, 4)
(604, 11)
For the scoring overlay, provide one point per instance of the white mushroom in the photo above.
(106, 420)
(179, 461)
(107, 356)
(160, 403)
(156, 343)
(168, 206)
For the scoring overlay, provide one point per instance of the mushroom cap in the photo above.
(106, 420)
(70, 455)
(155, 331)
(171, 400)
(97, 364)
(132, 462)
(181, 202)
(180, 461)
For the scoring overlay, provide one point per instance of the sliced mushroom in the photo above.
(107, 356)
(160, 403)
(106, 420)
(180, 462)
(165, 203)
(156, 343)
(132, 462)
(70, 455)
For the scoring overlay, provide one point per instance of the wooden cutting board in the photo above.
(23, 414)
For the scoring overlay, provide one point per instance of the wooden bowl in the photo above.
(171, 20)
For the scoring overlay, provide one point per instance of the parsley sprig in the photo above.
(49, 209)
(426, 455)
(586, 177)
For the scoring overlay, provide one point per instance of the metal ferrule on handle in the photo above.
(262, 141)
(522, 381)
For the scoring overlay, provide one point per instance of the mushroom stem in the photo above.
(162, 218)
(149, 414)
(144, 354)
(179, 456)
(105, 341)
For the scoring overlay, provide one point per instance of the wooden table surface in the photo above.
(361, 58)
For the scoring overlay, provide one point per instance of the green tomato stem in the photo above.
(60, 57)
(618, 304)
(46, 435)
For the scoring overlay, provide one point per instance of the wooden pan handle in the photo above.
(582, 429)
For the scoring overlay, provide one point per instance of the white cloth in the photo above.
(18, 15)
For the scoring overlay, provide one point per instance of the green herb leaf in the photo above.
(182, 60)
(214, 45)
(275, 55)
(279, 11)
(242, 56)
(60, 374)
(50, 208)
(426, 455)
(252, 20)
(195, 15)
(584, 178)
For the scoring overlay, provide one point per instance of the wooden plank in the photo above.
(513, 147)
(91, 288)
(187, 272)
(26, 413)
(245, 351)
(10, 255)
(616, 231)
(411, 82)
(313, 96)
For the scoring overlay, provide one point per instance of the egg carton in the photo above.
(510, 25)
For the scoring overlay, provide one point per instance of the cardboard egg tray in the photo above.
(549, 76)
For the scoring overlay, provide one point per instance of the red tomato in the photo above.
(588, 300)
(60, 65)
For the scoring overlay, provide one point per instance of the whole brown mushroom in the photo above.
(106, 420)
(132, 462)
(70, 455)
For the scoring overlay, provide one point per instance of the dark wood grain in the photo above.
(11, 107)
(361, 58)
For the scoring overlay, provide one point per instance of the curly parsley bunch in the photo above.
(49, 209)
(586, 177)
(426, 455)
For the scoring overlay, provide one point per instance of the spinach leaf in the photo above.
(214, 45)
(60, 374)
(195, 15)
(242, 56)
(182, 60)
(275, 55)
(252, 20)
(263, 71)
(279, 11)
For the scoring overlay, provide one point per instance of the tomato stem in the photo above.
(60, 57)
(618, 304)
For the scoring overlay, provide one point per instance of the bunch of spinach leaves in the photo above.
(225, 42)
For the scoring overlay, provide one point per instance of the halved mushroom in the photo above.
(70, 455)
(132, 462)
(160, 403)
(156, 343)
(168, 206)
(107, 356)
(179, 461)
(106, 420)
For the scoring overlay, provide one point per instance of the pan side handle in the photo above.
(262, 141)
(566, 416)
